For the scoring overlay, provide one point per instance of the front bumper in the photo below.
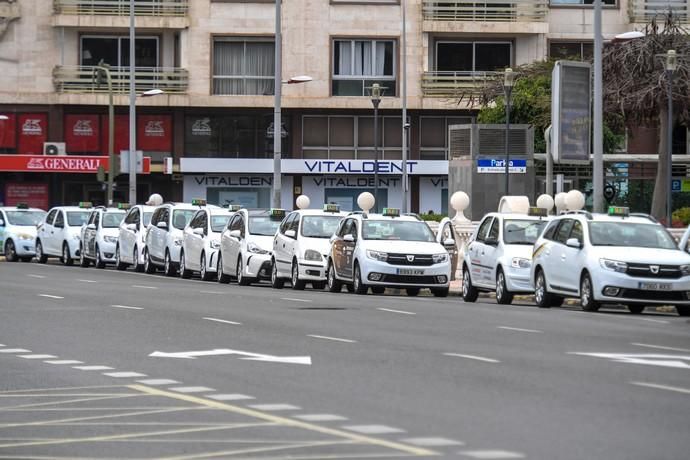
(630, 290)
(377, 273)
(212, 261)
(257, 266)
(312, 270)
(107, 251)
(518, 280)
(74, 247)
(24, 248)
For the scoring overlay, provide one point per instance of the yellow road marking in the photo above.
(56, 403)
(67, 409)
(255, 450)
(59, 395)
(63, 388)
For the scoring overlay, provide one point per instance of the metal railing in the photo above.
(121, 7)
(452, 84)
(641, 11)
(486, 11)
(79, 79)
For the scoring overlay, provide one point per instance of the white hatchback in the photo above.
(18, 232)
(59, 234)
(132, 238)
(201, 242)
(164, 236)
(99, 237)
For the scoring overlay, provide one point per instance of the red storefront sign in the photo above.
(154, 133)
(8, 131)
(82, 134)
(34, 195)
(121, 133)
(59, 163)
(33, 132)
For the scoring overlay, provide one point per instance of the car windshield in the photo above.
(396, 230)
(112, 219)
(25, 218)
(77, 218)
(522, 231)
(218, 223)
(147, 218)
(263, 225)
(629, 234)
(319, 226)
(181, 217)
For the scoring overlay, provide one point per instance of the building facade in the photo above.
(214, 62)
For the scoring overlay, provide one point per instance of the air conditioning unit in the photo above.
(54, 148)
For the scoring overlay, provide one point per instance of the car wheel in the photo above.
(184, 273)
(469, 292)
(412, 292)
(83, 261)
(135, 257)
(378, 289)
(99, 260)
(119, 264)
(66, 256)
(41, 258)
(587, 301)
(241, 279)
(26, 259)
(10, 251)
(503, 296)
(203, 272)
(276, 282)
(334, 285)
(318, 285)
(440, 292)
(683, 310)
(541, 295)
(222, 277)
(357, 285)
(169, 269)
(148, 265)
(297, 284)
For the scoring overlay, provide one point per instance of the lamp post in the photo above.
(508, 83)
(132, 110)
(670, 65)
(100, 72)
(376, 92)
(598, 116)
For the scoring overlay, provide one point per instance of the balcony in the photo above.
(642, 11)
(79, 79)
(488, 16)
(453, 84)
(121, 7)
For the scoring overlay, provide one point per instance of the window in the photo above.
(564, 231)
(484, 228)
(493, 232)
(51, 216)
(551, 230)
(581, 51)
(114, 50)
(243, 66)
(576, 232)
(466, 57)
(358, 64)
(433, 136)
(97, 219)
(60, 220)
(157, 214)
(132, 217)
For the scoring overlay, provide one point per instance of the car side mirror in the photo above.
(491, 241)
(162, 225)
(291, 234)
(573, 243)
(131, 227)
(449, 242)
(91, 227)
(349, 238)
(235, 234)
(198, 231)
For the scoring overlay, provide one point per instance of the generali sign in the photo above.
(63, 164)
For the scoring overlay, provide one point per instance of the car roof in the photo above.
(13, 208)
(220, 211)
(73, 208)
(319, 212)
(380, 217)
(516, 215)
(597, 217)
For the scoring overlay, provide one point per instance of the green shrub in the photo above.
(432, 217)
(683, 215)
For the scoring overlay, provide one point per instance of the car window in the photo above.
(60, 219)
(76, 218)
(24, 218)
(516, 231)
(319, 226)
(181, 217)
(285, 224)
(112, 219)
(147, 217)
(551, 230)
(629, 234)
(97, 219)
(218, 223)
(494, 230)
(51, 216)
(576, 232)
(401, 230)
(196, 221)
(263, 225)
(342, 230)
(484, 228)
(564, 230)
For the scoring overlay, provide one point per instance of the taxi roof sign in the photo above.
(234, 207)
(198, 202)
(276, 213)
(538, 212)
(620, 211)
(391, 212)
(85, 204)
(331, 207)
(22, 206)
(123, 206)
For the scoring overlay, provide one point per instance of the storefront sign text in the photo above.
(358, 182)
(492, 165)
(66, 164)
(230, 181)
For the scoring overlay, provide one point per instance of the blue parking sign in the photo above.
(676, 185)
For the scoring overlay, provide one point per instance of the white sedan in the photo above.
(201, 242)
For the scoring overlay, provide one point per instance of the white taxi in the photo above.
(99, 237)
(387, 250)
(301, 246)
(619, 258)
(18, 231)
(59, 234)
(201, 242)
(132, 238)
(245, 245)
(498, 257)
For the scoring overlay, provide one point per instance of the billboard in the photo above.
(571, 112)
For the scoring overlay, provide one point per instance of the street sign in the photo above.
(498, 166)
(124, 161)
(571, 112)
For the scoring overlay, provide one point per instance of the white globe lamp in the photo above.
(574, 200)
(460, 201)
(366, 201)
(302, 202)
(155, 200)
(559, 201)
(545, 202)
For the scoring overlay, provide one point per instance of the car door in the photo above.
(490, 253)
(46, 231)
(127, 236)
(153, 237)
(291, 241)
(555, 269)
(235, 242)
(193, 241)
(58, 233)
(571, 259)
(161, 235)
(347, 249)
(226, 240)
(338, 247)
(476, 249)
(280, 252)
(446, 232)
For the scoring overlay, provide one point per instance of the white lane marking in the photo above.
(63, 361)
(31, 275)
(191, 389)
(651, 359)
(230, 397)
(478, 358)
(652, 320)
(397, 311)
(213, 292)
(661, 387)
(143, 287)
(507, 328)
(294, 300)
(93, 368)
(2, 344)
(15, 350)
(274, 407)
(373, 429)
(306, 360)
(127, 307)
(50, 296)
(335, 339)
(158, 382)
(320, 417)
(491, 454)
(88, 281)
(123, 375)
(38, 356)
(432, 442)
(218, 320)
(660, 347)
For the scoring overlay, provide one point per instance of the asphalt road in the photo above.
(314, 375)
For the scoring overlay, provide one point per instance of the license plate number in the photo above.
(655, 286)
(409, 271)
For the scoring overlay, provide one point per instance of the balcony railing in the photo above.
(121, 7)
(641, 11)
(486, 11)
(453, 84)
(79, 79)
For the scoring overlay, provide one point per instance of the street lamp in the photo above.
(376, 93)
(670, 65)
(101, 71)
(508, 83)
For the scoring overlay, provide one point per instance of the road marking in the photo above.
(213, 292)
(218, 320)
(158, 382)
(127, 307)
(335, 339)
(660, 347)
(675, 361)
(373, 429)
(93, 368)
(274, 407)
(432, 442)
(31, 275)
(651, 320)
(294, 300)
(191, 389)
(230, 397)
(661, 387)
(143, 287)
(321, 417)
(124, 375)
(64, 361)
(478, 358)
(38, 356)
(15, 350)
(519, 329)
(88, 281)
(491, 454)
(50, 296)
(397, 311)
(225, 351)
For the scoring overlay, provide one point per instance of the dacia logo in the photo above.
(654, 269)
(410, 258)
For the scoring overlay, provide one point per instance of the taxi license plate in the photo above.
(409, 271)
(655, 286)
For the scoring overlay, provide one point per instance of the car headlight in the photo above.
(685, 269)
(25, 236)
(214, 244)
(438, 258)
(255, 249)
(310, 254)
(177, 241)
(613, 265)
(377, 255)
(110, 239)
(519, 262)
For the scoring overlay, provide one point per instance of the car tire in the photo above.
(333, 283)
(636, 309)
(541, 294)
(557, 300)
(412, 292)
(83, 261)
(297, 284)
(203, 270)
(99, 261)
(119, 264)
(440, 292)
(168, 267)
(587, 302)
(10, 251)
(41, 258)
(378, 289)
(318, 285)
(26, 258)
(503, 295)
(149, 268)
(683, 310)
(241, 279)
(469, 292)
(66, 256)
(222, 277)
(135, 257)
(184, 273)
(276, 282)
(358, 286)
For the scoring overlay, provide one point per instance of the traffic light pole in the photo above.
(101, 69)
